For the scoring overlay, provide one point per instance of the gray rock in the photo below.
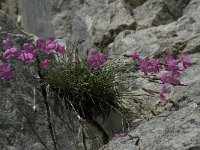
(158, 12)
(22, 128)
(42, 25)
(96, 22)
(104, 20)
(7, 25)
(153, 40)
(172, 125)
(11, 7)
(179, 130)
(151, 27)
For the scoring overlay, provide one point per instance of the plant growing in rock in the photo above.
(89, 83)
(172, 70)
(83, 83)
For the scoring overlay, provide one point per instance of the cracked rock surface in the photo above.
(151, 27)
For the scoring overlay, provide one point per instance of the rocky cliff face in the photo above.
(51, 126)
(150, 27)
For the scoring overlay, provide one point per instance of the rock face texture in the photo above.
(51, 126)
(151, 27)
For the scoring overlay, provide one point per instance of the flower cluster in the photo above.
(6, 72)
(96, 59)
(171, 65)
(28, 54)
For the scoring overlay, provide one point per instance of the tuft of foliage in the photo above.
(83, 88)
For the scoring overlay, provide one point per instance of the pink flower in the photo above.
(28, 48)
(162, 96)
(26, 57)
(96, 59)
(7, 75)
(50, 47)
(11, 52)
(172, 64)
(119, 135)
(41, 43)
(135, 56)
(185, 61)
(50, 40)
(166, 78)
(60, 49)
(47, 46)
(150, 66)
(7, 43)
(46, 63)
(173, 79)
(4, 67)
(163, 91)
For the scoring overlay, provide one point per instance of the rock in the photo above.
(158, 12)
(42, 25)
(96, 22)
(11, 7)
(51, 125)
(7, 25)
(104, 21)
(20, 127)
(169, 125)
(151, 27)
(173, 130)
(153, 40)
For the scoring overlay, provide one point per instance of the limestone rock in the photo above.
(51, 125)
(104, 20)
(151, 27)
(158, 12)
(172, 125)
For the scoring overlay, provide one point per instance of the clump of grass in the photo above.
(83, 88)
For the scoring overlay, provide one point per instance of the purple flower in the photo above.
(46, 63)
(7, 75)
(50, 40)
(41, 43)
(50, 47)
(96, 59)
(119, 135)
(11, 52)
(35, 52)
(26, 57)
(185, 61)
(135, 56)
(172, 64)
(163, 91)
(28, 48)
(173, 79)
(162, 96)
(150, 66)
(47, 46)
(4, 67)
(7, 43)
(166, 78)
(60, 49)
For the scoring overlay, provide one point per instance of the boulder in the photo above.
(172, 124)
(153, 28)
(31, 117)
